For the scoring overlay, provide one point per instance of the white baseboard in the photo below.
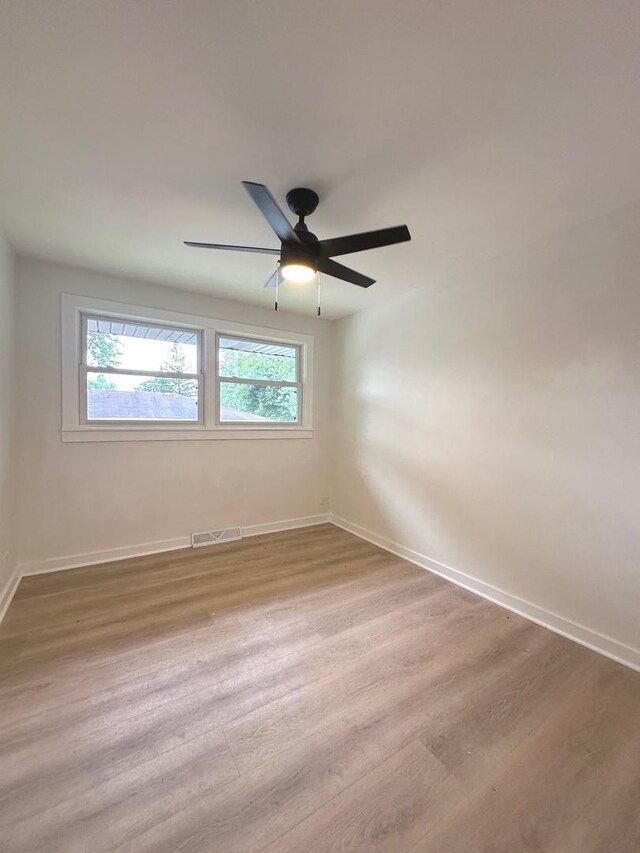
(559, 624)
(58, 564)
(291, 524)
(77, 561)
(9, 591)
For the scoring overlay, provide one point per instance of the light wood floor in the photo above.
(303, 691)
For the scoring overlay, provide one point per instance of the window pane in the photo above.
(133, 346)
(256, 360)
(140, 398)
(244, 402)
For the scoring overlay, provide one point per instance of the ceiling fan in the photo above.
(301, 254)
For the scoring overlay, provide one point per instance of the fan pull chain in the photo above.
(277, 283)
(319, 309)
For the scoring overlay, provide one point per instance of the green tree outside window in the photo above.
(103, 350)
(175, 363)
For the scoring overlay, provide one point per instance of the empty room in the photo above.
(319, 426)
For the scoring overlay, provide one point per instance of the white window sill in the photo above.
(82, 434)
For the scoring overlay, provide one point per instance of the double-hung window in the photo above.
(134, 373)
(258, 381)
(139, 372)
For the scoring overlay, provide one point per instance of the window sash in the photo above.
(84, 332)
(259, 424)
(280, 383)
(125, 371)
(221, 335)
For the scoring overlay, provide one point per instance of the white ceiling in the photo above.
(127, 126)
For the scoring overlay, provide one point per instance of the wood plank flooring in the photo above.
(303, 691)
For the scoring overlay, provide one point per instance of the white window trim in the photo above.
(73, 430)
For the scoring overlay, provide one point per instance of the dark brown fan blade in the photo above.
(271, 212)
(366, 240)
(337, 270)
(273, 280)
(232, 248)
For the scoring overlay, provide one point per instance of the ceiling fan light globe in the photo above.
(298, 273)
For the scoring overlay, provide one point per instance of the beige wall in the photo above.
(493, 424)
(8, 467)
(83, 498)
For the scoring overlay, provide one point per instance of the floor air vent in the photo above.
(212, 537)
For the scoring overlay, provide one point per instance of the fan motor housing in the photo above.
(307, 255)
